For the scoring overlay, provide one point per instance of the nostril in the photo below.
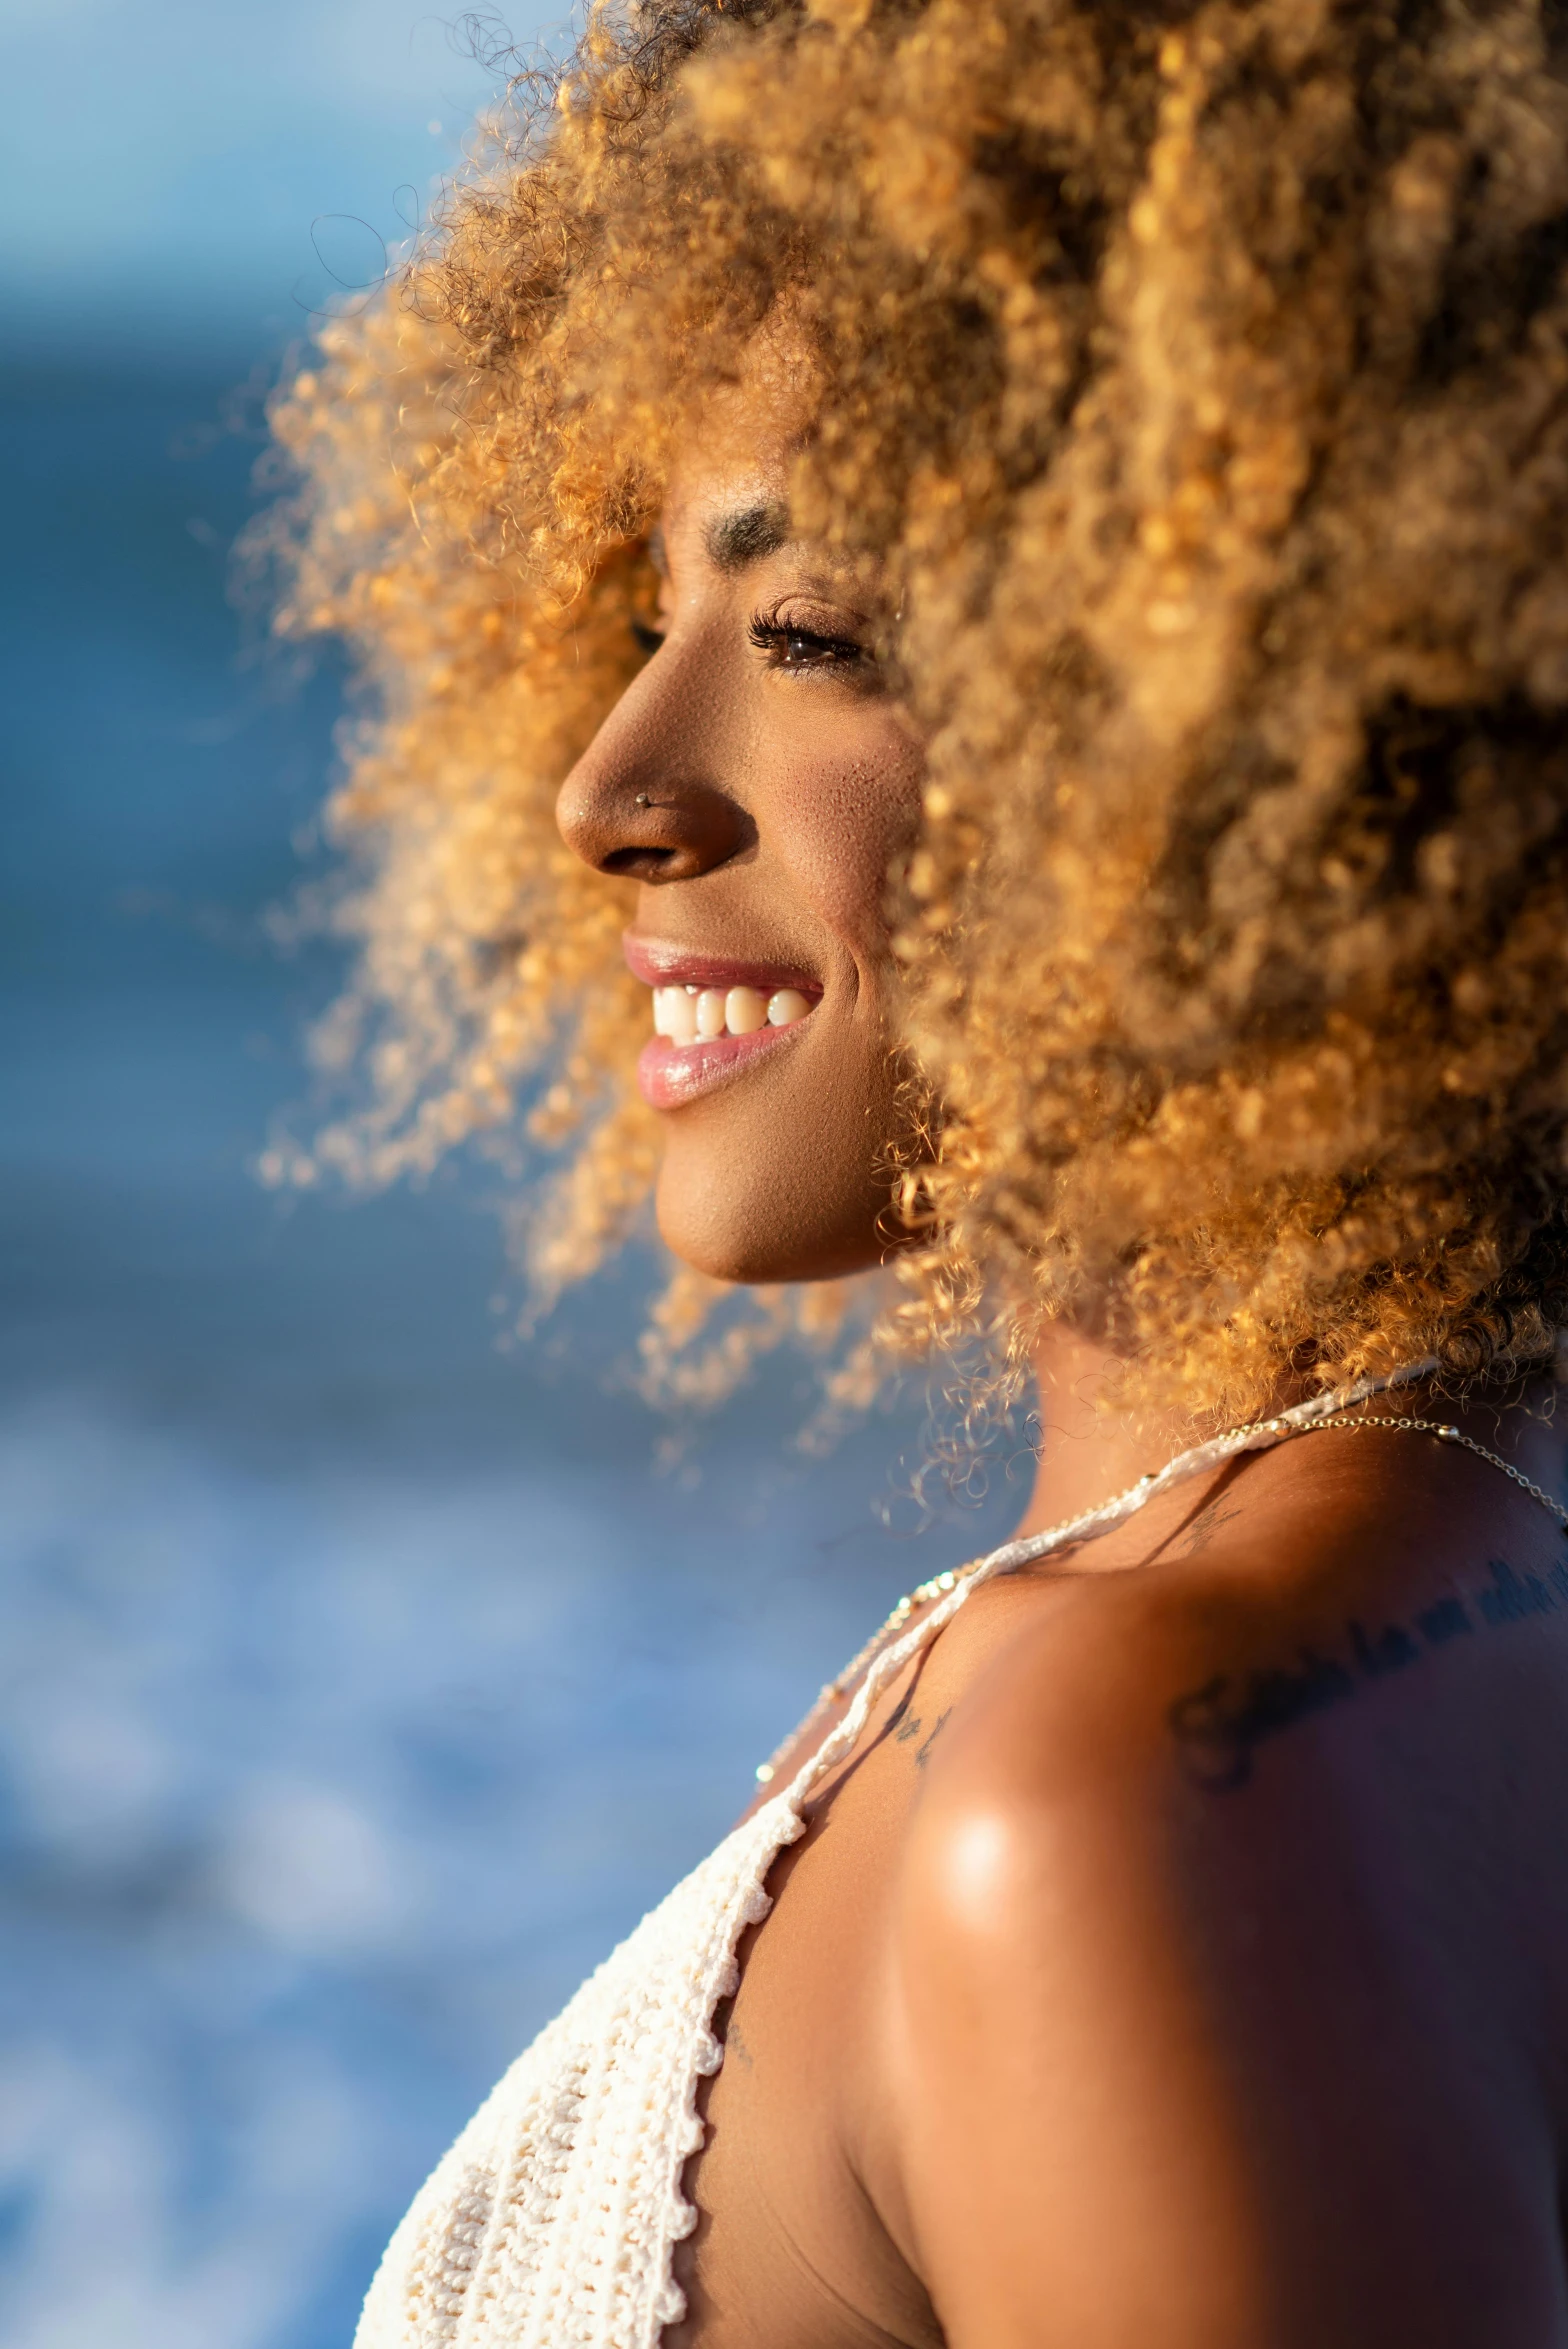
(641, 864)
(656, 833)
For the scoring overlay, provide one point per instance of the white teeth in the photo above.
(674, 1015)
(745, 1011)
(689, 1015)
(710, 1014)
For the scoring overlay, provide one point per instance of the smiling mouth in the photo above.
(711, 1018)
(687, 1015)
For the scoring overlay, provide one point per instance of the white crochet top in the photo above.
(552, 2222)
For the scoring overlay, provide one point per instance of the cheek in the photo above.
(841, 821)
(783, 1176)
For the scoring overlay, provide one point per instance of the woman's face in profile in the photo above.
(757, 779)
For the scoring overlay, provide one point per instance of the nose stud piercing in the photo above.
(643, 800)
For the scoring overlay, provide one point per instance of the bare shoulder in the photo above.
(1133, 1756)
(1339, 1690)
(1203, 1921)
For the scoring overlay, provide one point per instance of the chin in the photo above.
(756, 1234)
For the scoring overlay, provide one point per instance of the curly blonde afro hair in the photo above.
(1195, 380)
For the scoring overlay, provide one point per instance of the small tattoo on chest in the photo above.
(1219, 1726)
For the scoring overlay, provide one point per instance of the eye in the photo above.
(646, 637)
(805, 648)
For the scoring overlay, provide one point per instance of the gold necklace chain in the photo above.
(940, 1585)
(1451, 1435)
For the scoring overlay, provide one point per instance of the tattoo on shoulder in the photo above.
(1219, 1727)
(923, 1750)
(907, 1726)
(1204, 1527)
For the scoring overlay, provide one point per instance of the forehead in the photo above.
(727, 493)
(726, 500)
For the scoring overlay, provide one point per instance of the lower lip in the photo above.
(669, 1075)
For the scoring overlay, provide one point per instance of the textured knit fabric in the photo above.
(552, 2222)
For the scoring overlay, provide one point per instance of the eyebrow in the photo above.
(745, 536)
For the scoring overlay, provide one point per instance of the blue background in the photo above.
(362, 1680)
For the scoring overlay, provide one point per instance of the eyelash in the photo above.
(777, 639)
(788, 648)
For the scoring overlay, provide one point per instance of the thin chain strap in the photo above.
(1451, 1435)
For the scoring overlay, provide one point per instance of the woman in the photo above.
(1025, 542)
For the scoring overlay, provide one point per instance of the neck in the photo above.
(1088, 1449)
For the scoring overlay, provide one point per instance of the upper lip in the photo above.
(659, 962)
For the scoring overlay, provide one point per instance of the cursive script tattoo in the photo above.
(1219, 1727)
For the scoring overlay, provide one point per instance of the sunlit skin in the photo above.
(1102, 2006)
(758, 779)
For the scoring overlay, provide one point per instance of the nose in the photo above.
(628, 808)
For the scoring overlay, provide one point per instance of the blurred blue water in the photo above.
(361, 1682)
